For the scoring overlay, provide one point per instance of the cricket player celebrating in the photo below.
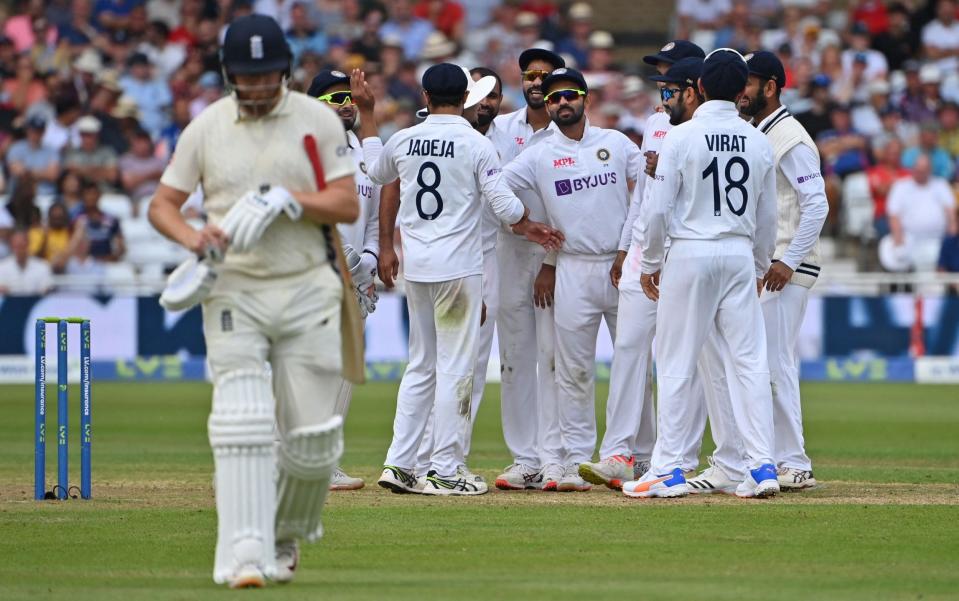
(627, 444)
(276, 299)
(360, 238)
(530, 414)
(802, 212)
(446, 170)
(583, 176)
(714, 195)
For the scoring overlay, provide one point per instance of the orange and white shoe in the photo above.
(341, 481)
(248, 576)
(519, 476)
(612, 471)
(552, 473)
(287, 558)
(669, 485)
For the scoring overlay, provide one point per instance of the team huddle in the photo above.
(535, 222)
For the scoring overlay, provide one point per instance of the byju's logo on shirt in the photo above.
(805, 178)
(565, 187)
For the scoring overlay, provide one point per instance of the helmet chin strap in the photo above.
(250, 107)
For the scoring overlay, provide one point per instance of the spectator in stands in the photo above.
(942, 163)
(816, 118)
(875, 63)
(30, 157)
(446, 16)
(24, 88)
(99, 231)
(738, 29)
(151, 94)
(843, 151)
(52, 241)
(369, 44)
(940, 37)
(209, 90)
(68, 194)
(882, 176)
(894, 127)
(866, 117)
(949, 128)
(21, 273)
(949, 258)
(922, 211)
(92, 160)
(700, 15)
(852, 85)
(872, 14)
(140, 169)
(79, 30)
(62, 131)
(576, 44)
(899, 42)
(21, 207)
(106, 95)
(407, 27)
(922, 96)
(303, 35)
(171, 133)
(20, 27)
(113, 15)
(165, 56)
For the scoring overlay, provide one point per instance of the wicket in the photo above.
(62, 489)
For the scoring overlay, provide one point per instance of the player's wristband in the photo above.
(370, 252)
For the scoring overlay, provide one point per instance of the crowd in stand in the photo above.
(96, 92)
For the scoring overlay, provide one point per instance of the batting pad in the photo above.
(307, 458)
(241, 435)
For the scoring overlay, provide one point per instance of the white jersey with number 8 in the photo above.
(446, 170)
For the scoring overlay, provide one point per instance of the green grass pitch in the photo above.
(884, 524)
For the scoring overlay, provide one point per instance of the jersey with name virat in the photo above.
(715, 179)
(364, 233)
(583, 184)
(447, 171)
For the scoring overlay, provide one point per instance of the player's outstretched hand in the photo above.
(388, 267)
(777, 277)
(544, 286)
(362, 93)
(548, 237)
(650, 284)
(616, 271)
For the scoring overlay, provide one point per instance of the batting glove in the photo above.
(248, 219)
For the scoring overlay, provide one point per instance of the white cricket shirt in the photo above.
(447, 170)
(364, 233)
(583, 184)
(657, 126)
(514, 135)
(232, 156)
(715, 179)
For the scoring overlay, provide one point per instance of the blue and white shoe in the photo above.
(761, 483)
(668, 485)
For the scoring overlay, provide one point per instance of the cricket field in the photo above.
(883, 524)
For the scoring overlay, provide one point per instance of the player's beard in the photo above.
(253, 100)
(537, 103)
(484, 118)
(348, 118)
(676, 114)
(569, 117)
(754, 106)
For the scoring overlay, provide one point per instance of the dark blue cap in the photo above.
(724, 74)
(540, 54)
(567, 75)
(325, 80)
(767, 65)
(36, 122)
(821, 81)
(674, 51)
(685, 72)
(445, 79)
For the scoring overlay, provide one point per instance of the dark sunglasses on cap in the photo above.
(667, 93)
(337, 98)
(569, 95)
(534, 74)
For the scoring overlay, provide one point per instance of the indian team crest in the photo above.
(363, 167)
(603, 155)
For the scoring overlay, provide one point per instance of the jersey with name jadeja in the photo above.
(447, 170)
(583, 183)
(715, 178)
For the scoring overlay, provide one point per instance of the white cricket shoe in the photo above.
(552, 473)
(465, 472)
(639, 468)
(520, 476)
(672, 484)
(712, 480)
(612, 471)
(571, 480)
(761, 483)
(247, 576)
(792, 479)
(397, 480)
(287, 558)
(454, 486)
(341, 481)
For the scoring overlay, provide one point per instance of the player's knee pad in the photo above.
(307, 458)
(240, 428)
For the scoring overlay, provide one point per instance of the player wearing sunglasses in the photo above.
(584, 175)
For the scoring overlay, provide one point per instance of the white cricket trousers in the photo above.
(630, 415)
(530, 413)
(584, 296)
(444, 341)
(491, 299)
(783, 312)
(706, 284)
